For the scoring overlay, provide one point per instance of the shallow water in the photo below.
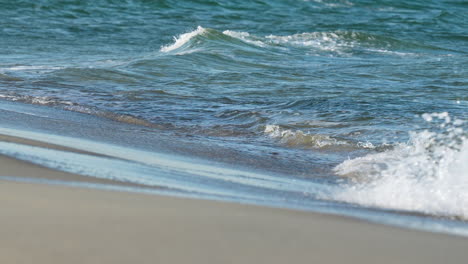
(159, 164)
(340, 92)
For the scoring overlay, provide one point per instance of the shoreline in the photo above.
(44, 223)
(66, 145)
(59, 224)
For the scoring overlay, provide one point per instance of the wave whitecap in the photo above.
(426, 175)
(334, 43)
(182, 39)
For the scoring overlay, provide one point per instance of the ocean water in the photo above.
(352, 102)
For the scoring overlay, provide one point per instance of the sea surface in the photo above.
(348, 106)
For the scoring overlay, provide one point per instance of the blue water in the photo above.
(335, 91)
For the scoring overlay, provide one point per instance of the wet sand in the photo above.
(58, 224)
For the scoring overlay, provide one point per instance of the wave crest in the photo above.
(300, 139)
(335, 43)
(426, 175)
(182, 39)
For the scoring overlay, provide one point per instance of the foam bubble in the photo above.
(428, 174)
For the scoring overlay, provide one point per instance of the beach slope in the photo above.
(57, 224)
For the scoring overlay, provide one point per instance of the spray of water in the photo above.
(428, 174)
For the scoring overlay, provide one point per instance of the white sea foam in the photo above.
(389, 52)
(182, 39)
(428, 174)
(39, 100)
(246, 37)
(325, 41)
(340, 43)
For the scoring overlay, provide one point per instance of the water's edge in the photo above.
(186, 176)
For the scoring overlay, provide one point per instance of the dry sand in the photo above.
(45, 224)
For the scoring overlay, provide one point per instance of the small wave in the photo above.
(203, 39)
(246, 37)
(39, 100)
(341, 43)
(301, 139)
(426, 175)
(182, 39)
(75, 107)
(298, 138)
(123, 118)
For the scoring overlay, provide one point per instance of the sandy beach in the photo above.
(58, 224)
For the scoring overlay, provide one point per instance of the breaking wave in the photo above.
(183, 39)
(301, 139)
(328, 43)
(427, 175)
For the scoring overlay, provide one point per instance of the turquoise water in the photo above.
(369, 96)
